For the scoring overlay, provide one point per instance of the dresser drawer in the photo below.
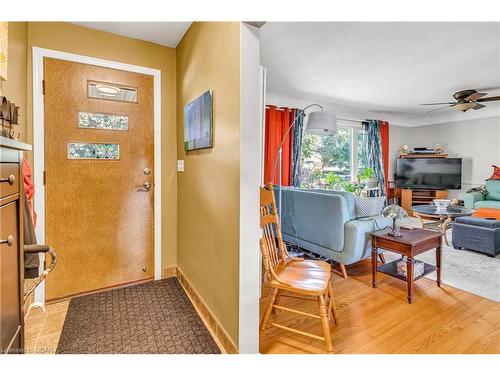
(9, 274)
(9, 179)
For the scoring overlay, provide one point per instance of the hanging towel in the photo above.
(31, 261)
(29, 188)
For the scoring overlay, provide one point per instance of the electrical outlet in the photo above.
(180, 165)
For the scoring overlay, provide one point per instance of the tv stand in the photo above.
(415, 197)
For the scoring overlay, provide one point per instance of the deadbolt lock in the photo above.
(147, 171)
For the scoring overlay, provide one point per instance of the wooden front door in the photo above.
(99, 176)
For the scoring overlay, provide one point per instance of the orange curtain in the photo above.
(278, 120)
(384, 135)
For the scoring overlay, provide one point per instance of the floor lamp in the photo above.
(318, 123)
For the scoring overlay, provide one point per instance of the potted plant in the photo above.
(368, 176)
(334, 181)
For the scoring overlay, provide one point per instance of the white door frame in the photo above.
(39, 143)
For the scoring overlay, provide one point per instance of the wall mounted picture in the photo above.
(198, 123)
(4, 37)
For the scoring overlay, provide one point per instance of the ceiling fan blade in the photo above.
(478, 106)
(475, 96)
(438, 109)
(439, 103)
(490, 99)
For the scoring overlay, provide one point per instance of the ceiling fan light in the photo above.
(465, 106)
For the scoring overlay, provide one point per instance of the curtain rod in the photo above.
(338, 118)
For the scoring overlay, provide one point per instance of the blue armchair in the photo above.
(489, 200)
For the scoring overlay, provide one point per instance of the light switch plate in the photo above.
(180, 165)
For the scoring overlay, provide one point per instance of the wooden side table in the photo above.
(410, 244)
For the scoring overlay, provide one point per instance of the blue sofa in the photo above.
(324, 222)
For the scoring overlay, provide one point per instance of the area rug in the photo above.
(154, 317)
(473, 272)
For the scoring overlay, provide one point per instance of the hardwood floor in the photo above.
(440, 320)
(42, 330)
(379, 320)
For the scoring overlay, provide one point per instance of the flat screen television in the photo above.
(430, 173)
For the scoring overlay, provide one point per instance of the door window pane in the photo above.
(94, 151)
(102, 121)
(110, 91)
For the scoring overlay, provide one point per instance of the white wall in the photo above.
(398, 136)
(477, 142)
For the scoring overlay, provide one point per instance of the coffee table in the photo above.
(410, 244)
(443, 218)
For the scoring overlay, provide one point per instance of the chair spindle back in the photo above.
(272, 246)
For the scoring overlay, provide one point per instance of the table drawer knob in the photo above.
(9, 241)
(11, 179)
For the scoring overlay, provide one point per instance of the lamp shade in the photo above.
(394, 212)
(321, 123)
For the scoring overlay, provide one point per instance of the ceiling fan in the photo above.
(465, 100)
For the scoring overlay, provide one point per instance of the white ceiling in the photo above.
(384, 69)
(165, 33)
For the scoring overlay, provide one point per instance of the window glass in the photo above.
(326, 160)
(110, 91)
(103, 121)
(93, 151)
(362, 157)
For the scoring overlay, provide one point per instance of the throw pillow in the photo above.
(364, 207)
(496, 173)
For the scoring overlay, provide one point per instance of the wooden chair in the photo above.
(282, 272)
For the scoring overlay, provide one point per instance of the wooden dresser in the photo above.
(11, 245)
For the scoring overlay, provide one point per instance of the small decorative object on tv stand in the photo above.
(422, 152)
(422, 156)
(404, 150)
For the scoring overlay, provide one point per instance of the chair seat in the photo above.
(304, 276)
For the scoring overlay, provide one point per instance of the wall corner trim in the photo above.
(218, 333)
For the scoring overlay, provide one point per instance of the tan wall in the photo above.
(76, 39)
(200, 206)
(15, 88)
(208, 58)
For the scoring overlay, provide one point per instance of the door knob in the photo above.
(146, 185)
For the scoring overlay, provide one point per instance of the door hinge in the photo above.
(44, 178)
(43, 87)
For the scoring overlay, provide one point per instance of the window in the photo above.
(110, 151)
(103, 121)
(327, 161)
(110, 91)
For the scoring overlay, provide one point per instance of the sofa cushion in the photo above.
(493, 188)
(496, 173)
(349, 198)
(367, 207)
(487, 204)
(479, 222)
